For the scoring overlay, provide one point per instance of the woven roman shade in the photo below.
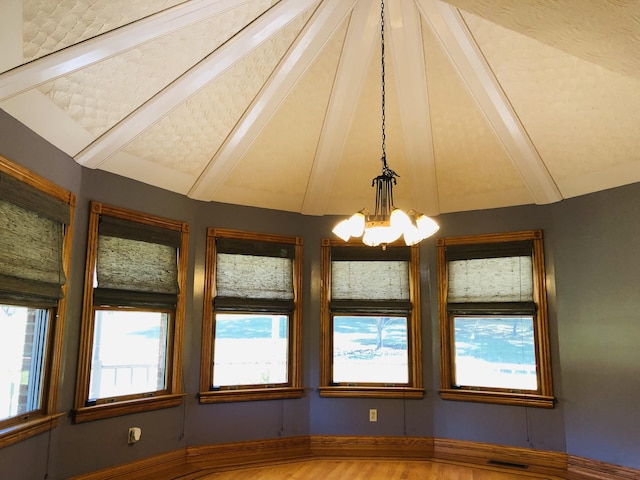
(376, 281)
(137, 264)
(31, 240)
(493, 278)
(503, 279)
(253, 275)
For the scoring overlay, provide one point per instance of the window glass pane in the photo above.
(129, 353)
(495, 352)
(370, 350)
(250, 349)
(22, 347)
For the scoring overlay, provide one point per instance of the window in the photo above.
(493, 319)
(251, 341)
(35, 246)
(130, 352)
(370, 321)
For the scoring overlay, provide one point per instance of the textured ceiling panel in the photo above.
(604, 32)
(273, 173)
(187, 138)
(51, 25)
(471, 164)
(99, 96)
(573, 110)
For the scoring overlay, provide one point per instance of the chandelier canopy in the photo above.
(388, 223)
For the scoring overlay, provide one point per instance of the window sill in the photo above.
(249, 395)
(371, 392)
(502, 398)
(107, 410)
(27, 429)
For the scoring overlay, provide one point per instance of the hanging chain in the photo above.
(386, 171)
(384, 147)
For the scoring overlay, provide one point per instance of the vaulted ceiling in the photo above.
(277, 104)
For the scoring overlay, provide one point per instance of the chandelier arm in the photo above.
(379, 193)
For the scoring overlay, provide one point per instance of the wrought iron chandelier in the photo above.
(388, 223)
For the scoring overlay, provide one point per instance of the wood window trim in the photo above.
(83, 412)
(46, 418)
(544, 397)
(294, 389)
(126, 407)
(34, 425)
(415, 388)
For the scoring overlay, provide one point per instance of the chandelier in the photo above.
(388, 223)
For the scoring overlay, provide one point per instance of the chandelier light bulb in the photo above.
(351, 227)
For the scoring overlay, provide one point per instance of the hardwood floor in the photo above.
(362, 458)
(365, 470)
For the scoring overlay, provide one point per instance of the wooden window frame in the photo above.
(241, 393)
(543, 396)
(33, 423)
(414, 389)
(85, 411)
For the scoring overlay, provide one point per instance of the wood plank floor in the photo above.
(365, 470)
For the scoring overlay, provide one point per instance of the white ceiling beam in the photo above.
(303, 52)
(96, 49)
(192, 81)
(466, 56)
(352, 70)
(407, 57)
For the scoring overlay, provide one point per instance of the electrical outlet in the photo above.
(373, 415)
(134, 435)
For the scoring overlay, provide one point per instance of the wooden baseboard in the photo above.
(290, 449)
(413, 448)
(134, 470)
(586, 469)
(518, 459)
(243, 454)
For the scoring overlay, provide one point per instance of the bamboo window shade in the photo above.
(254, 275)
(31, 244)
(501, 279)
(137, 264)
(375, 281)
(370, 280)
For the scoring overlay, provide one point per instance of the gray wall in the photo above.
(592, 266)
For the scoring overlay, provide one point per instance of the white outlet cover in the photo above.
(135, 433)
